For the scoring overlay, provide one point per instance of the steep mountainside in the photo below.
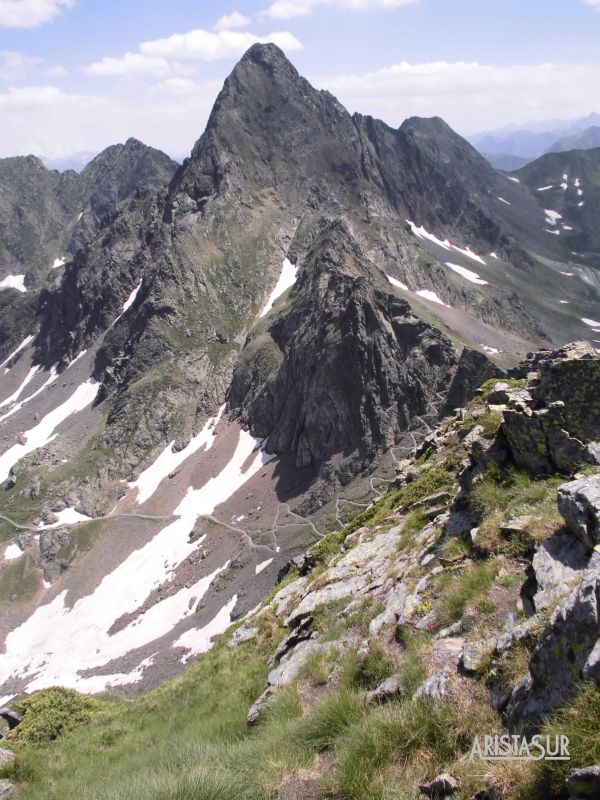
(569, 184)
(238, 352)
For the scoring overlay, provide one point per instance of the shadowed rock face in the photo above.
(345, 366)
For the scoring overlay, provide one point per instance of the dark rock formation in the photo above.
(345, 366)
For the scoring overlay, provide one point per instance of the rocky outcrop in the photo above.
(548, 424)
(345, 367)
(567, 653)
(579, 503)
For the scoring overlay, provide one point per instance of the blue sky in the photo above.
(82, 74)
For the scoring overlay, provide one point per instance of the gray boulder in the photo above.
(584, 784)
(579, 504)
(6, 788)
(557, 565)
(436, 687)
(390, 688)
(441, 787)
(6, 756)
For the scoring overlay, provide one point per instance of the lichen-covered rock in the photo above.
(579, 504)
(437, 687)
(557, 565)
(550, 430)
(567, 653)
(475, 655)
(391, 688)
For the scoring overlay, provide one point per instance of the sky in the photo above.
(79, 75)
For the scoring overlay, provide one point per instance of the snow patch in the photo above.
(545, 188)
(568, 274)
(514, 180)
(564, 302)
(263, 565)
(58, 262)
(555, 232)
(199, 640)
(421, 233)
(12, 552)
(580, 192)
(427, 294)
(14, 282)
(577, 183)
(287, 279)
(493, 255)
(488, 349)
(396, 282)
(168, 460)
(68, 516)
(43, 433)
(564, 186)
(80, 216)
(567, 228)
(552, 217)
(579, 205)
(502, 200)
(591, 322)
(467, 274)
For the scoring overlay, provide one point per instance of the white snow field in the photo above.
(43, 432)
(199, 640)
(287, 279)
(13, 282)
(57, 643)
(18, 349)
(467, 274)
(396, 282)
(168, 460)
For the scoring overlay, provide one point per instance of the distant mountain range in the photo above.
(510, 148)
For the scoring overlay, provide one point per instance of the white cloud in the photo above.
(31, 96)
(470, 96)
(178, 86)
(15, 66)
(130, 64)
(594, 3)
(284, 9)
(202, 45)
(233, 20)
(30, 13)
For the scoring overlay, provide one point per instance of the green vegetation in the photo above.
(458, 589)
(502, 494)
(49, 713)
(20, 580)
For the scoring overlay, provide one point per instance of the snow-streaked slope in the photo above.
(18, 349)
(57, 643)
(43, 432)
(168, 460)
(287, 279)
(19, 405)
(16, 394)
(199, 640)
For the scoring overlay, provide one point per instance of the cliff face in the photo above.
(345, 366)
